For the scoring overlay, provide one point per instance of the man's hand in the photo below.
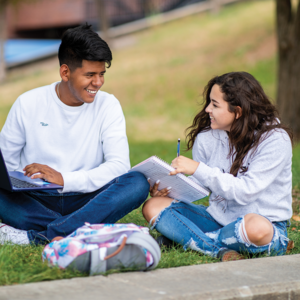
(184, 165)
(45, 173)
(154, 190)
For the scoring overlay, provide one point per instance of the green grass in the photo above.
(296, 166)
(159, 81)
(160, 78)
(22, 264)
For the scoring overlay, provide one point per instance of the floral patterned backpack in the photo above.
(100, 247)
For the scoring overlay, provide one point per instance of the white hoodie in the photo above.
(265, 188)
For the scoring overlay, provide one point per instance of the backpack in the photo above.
(101, 247)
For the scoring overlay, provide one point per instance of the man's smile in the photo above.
(93, 92)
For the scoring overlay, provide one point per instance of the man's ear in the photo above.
(64, 72)
(238, 112)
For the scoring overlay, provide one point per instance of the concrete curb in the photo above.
(262, 278)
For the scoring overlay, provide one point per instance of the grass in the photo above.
(22, 264)
(296, 166)
(160, 78)
(159, 81)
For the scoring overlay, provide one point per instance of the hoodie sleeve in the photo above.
(272, 156)
(199, 153)
(12, 137)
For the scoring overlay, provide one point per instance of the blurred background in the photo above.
(49, 19)
(33, 28)
(164, 53)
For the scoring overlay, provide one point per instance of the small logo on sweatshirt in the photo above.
(43, 124)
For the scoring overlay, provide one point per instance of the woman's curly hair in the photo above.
(259, 115)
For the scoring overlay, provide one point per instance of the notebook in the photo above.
(16, 181)
(183, 188)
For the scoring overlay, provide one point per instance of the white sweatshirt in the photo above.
(265, 188)
(87, 144)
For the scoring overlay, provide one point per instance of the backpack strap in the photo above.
(97, 265)
(118, 250)
(148, 242)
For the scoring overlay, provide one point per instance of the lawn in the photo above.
(22, 264)
(159, 81)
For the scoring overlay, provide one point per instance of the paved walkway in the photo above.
(263, 278)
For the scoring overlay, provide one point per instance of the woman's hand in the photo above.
(184, 165)
(154, 190)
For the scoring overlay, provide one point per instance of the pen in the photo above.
(178, 148)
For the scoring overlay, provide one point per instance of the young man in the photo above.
(71, 134)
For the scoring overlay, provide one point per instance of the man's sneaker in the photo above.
(12, 235)
(229, 255)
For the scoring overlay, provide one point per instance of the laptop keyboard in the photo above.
(21, 184)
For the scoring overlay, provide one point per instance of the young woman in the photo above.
(242, 153)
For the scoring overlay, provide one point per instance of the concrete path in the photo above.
(263, 278)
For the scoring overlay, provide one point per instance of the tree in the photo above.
(288, 86)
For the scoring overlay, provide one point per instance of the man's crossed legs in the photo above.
(43, 215)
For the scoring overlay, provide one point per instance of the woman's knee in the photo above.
(259, 229)
(154, 206)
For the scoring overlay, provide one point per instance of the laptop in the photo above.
(15, 181)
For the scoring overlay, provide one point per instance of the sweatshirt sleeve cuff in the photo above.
(203, 173)
(73, 182)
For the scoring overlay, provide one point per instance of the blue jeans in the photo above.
(193, 227)
(47, 214)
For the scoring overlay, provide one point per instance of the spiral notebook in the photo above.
(183, 188)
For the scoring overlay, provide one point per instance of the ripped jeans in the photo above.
(193, 227)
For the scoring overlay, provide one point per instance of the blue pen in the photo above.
(178, 148)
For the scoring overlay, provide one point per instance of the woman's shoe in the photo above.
(229, 255)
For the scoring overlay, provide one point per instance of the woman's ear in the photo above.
(238, 112)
